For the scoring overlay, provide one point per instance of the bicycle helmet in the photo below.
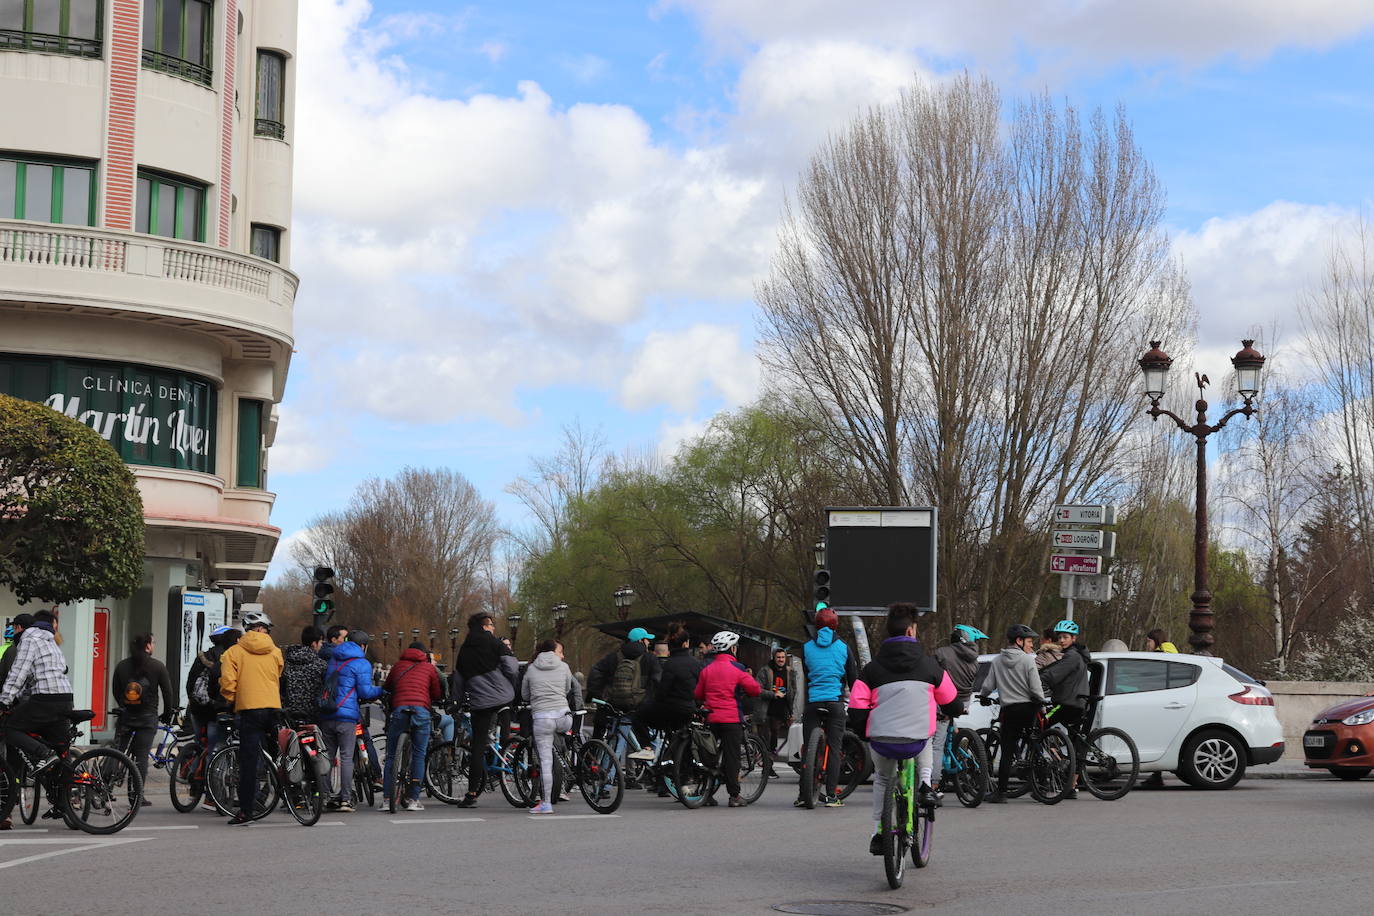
(256, 619)
(724, 641)
(965, 633)
(828, 618)
(1066, 626)
(9, 631)
(1020, 631)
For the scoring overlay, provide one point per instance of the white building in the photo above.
(145, 212)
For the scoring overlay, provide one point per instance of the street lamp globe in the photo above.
(1248, 363)
(819, 549)
(1155, 364)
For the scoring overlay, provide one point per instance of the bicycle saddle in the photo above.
(80, 715)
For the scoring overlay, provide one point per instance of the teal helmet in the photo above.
(965, 633)
(1066, 626)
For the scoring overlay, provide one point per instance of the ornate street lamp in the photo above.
(819, 549)
(452, 646)
(514, 621)
(624, 597)
(560, 616)
(1155, 366)
(432, 633)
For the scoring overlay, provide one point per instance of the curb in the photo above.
(1266, 772)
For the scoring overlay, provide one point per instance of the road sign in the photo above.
(1076, 564)
(1086, 588)
(1085, 515)
(1082, 539)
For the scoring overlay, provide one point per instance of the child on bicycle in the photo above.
(894, 704)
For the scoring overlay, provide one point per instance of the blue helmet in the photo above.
(1066, 626)
(965, 633)
(9, 631)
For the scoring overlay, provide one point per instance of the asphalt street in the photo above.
(1267, 846)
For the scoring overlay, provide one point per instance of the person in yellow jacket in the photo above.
(250, 681)
(1158, 641)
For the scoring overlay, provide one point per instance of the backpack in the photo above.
(135, 689)
(326, 703)
(626, 691)
(200, 688)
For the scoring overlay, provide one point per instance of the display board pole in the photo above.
(861, 640)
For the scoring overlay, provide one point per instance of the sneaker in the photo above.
(710, 803)
(6, 824)
(53, 814)
(467, 801)
(875, 845)
(925, 797)
(799, 803)
(331, 805)
(996, 799)
(1071, 794)
(207, 805)
(43, 764)
(644, 753)
(144, 803)
(239, 820)
(832, 801)
(736, 802)
(412, 804)
(542, 808)
(345, 807)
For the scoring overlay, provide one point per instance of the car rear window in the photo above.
(1239, 675)
(1182, 674)
(1139, 675)
(982, 675)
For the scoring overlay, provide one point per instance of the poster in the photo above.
(200, 613)
(100, 666)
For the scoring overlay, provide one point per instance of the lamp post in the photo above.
(1155, 366)
(819, 549)
(514, 621)
(386, 634)
(432, 634)
(452, 646)
(624, 597)
(560, 615)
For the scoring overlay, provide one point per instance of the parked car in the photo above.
(1341, 739)
(1195, 716)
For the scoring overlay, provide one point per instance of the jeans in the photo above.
(883, 770)
(729, 737)
(414, 719)
(445, 727)
(140, 743)
(1017, 721)
(338, 735)
(547, 726)
(257, 728)
(832, 714)
(210, 724)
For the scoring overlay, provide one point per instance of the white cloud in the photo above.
(673, 435)
(298, 447)
(494, 51)
(679, 368)
(585, 68)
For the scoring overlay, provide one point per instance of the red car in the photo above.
(1341, 739)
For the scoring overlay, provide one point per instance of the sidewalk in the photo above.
(1286, 768)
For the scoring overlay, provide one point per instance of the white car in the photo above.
(1195, 716)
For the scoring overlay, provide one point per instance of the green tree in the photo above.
(71, 517)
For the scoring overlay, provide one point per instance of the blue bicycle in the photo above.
(966, 766)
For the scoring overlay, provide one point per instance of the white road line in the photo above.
(439, 820)
(569, 817)
(85, 845)
(177, 827)
(258, 824)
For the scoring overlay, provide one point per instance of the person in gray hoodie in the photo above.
(552, 692)
(1017, 682)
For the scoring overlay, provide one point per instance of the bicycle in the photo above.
(697, 760)
(906, 825)
(587, 763)
(446, 765)
(1108, 762)
(1046, 758)
(855, 765)
(289, 772)
(191, 762)
(98, 791)
(401, 767)
(965, 766)
(162, 753)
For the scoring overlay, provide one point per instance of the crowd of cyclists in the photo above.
(901, 702)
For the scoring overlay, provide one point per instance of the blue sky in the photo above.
(515, 216)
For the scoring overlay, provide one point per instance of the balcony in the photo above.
(18, 40)
(168, 63)
(244, 300)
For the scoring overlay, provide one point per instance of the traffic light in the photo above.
(822, 590)
(323, 605)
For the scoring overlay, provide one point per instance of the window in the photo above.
(271, 118)
(1182, 674)
(47, 190)
(250, 444)
(1138, 676)
(177, 38)
(170, 207)
(52, 26)
(266, 242)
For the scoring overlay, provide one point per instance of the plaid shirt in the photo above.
(39, 667)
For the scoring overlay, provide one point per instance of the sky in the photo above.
(517, 216)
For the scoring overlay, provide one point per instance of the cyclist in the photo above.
(250, 679)
(39, 674)
(625, 677)
(334, 637)
(484, 674)
(414, 687)
(1066, 680)
(348, 681)
(1049, 651)
(302, 680)
(135, 684)
(1017, 682)
(204, 701)
(960, 661)
(829, 668)
(552, 693)
(895, 702)
(17, 626)
(717, 688)
(374, 763)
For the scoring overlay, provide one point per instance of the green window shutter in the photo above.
(249, 444)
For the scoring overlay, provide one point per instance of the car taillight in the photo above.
(1246, 698)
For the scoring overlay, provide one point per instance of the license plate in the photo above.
(1314, 741)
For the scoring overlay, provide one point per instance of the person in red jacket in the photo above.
(414, 687)
(716, 689)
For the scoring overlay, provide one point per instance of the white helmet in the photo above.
(724, 641)
(256, 619)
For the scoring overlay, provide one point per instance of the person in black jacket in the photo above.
(136, 683)
(203, 699)
(636, 646)
(1066, 681)
(672, 703)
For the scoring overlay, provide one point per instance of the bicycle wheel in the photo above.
(182, 783)
(363, 787)
(518, 769)
(30, 794)
(9, 789)
(1017, 783)
(753, 769)
(445, 770)
(303, 798)
(893, 829)
(971, 778)
(400, 769)
(855, 764)
(1051, 767)
(222, 784)
(1110, 764)
(924, 841)
(813, 767)
(600, 777)
(101, 791)
(691, 775)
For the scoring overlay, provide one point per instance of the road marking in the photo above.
(294, 824)
(569, 817)
(77, 845)
(177, 827)
(439, 820)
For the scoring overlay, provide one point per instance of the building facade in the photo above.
(145, 213)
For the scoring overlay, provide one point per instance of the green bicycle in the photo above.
(906, 825)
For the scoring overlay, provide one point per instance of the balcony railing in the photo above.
(264, 127)
(18, 40)
(156, 60)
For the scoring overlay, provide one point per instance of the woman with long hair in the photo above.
(135, 685)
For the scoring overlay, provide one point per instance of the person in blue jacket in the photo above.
(830, 670)
(351, 676)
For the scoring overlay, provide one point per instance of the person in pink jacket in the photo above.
(895, 702)
(717, 689)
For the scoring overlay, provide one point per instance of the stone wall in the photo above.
(1298, 702)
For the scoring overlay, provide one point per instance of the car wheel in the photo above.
(1212, 760)
(1350, 774)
